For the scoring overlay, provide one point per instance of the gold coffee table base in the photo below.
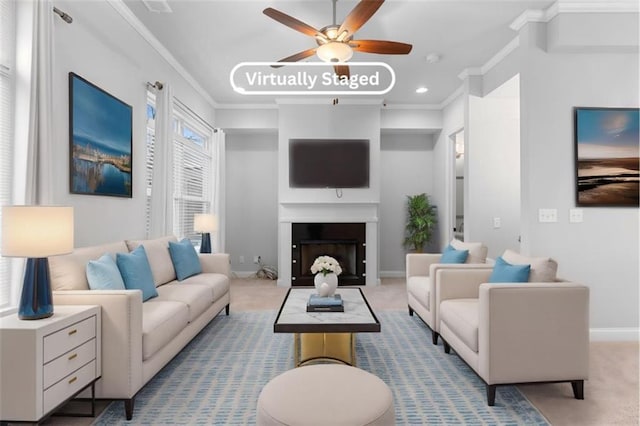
(311, 348)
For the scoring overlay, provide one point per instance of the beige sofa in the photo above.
(138, 339)
(512, 333)
(421, 270)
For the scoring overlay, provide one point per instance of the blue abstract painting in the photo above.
(607, 156)
(100, 141)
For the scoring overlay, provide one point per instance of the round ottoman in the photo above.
(325, 394)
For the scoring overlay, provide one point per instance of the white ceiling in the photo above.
(210, 37)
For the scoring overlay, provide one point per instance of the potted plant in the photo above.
(421, 218)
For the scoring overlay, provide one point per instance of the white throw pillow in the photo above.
(543, 269)
(477, 251)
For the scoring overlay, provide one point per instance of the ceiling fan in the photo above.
(335, 42)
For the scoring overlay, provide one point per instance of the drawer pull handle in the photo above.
(73, 356)
(74, 331)
(73, 379)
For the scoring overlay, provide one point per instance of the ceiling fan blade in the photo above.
(342, 70)
(359, 16)
(291, 22)
(383, 47)
(297, 57)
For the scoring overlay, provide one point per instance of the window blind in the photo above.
(7, 101)
(150, 145)
(192, 172)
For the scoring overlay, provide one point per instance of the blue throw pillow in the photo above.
(103, 274)
(504, 272)
(451, 255)
(185, 259)
(136, 272)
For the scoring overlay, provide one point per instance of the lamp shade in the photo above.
(205, 223)
(36, 231)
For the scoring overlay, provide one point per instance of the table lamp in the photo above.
(36, 232)
(205, 223)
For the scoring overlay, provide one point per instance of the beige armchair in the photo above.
(421, 289)
(514, 333)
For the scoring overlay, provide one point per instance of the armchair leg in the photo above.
(226, 310)
(447, 348)
(578, 388)
(128, 408)
(410, 311)
(491, 395)
(434, 337)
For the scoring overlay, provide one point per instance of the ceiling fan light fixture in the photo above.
(334, 51)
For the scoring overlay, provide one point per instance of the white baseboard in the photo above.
(617, 334)
(392, 274)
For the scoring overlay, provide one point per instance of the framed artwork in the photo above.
(100, 141)
(607, 151)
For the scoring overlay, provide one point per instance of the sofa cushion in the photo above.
(185, 259)
(543, 269)
(198, 298)
(461, 316)
(136, 272)
(69, 271)
(159, 258)
(103, 274)
(504, 272)
(162, 321)
(418, 287)
(477, 251)
(451, 255)
(218, 283)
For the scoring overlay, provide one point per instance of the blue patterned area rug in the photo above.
(217, 378)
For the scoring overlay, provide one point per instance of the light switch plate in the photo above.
(497, 223)
(575, 215)
(547, 215)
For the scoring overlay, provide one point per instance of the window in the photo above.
(192, 171)
(7, 101)
(192, 168)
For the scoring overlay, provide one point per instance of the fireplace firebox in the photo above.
(343, 241)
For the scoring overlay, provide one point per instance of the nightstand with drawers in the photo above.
(44, 363)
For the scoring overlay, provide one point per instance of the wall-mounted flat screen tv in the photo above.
(329, 163)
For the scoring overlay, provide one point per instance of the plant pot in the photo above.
(330, 279)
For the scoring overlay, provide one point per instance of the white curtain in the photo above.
(34, 105)
(162, 182)
(219, 149)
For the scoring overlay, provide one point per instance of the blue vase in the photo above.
(36, 301)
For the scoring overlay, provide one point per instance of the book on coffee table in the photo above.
(319, 303)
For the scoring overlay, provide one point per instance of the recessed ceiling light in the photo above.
(422, 90)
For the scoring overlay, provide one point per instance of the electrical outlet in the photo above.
(547, 215)
(241, 259)
(256, 259)
(497, 222)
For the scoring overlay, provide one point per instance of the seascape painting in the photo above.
(607, 156)
(100, 141)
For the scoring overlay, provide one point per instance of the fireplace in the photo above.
(343, 241)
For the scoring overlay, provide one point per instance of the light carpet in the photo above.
(217, 378)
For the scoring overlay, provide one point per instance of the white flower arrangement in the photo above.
(326, 265)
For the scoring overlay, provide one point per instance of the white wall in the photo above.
(252, 199)
(406, 168)
(103, 48)
(493, 138)
(602, 252)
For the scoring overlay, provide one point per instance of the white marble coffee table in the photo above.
(325, 336)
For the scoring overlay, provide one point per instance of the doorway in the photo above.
(456, 196)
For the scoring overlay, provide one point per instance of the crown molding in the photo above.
(452, 97)
(415, 107)
(566, 6)
(468, 72)
(328, 101)
(247, 106)
(137, 25)
(501, 55)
